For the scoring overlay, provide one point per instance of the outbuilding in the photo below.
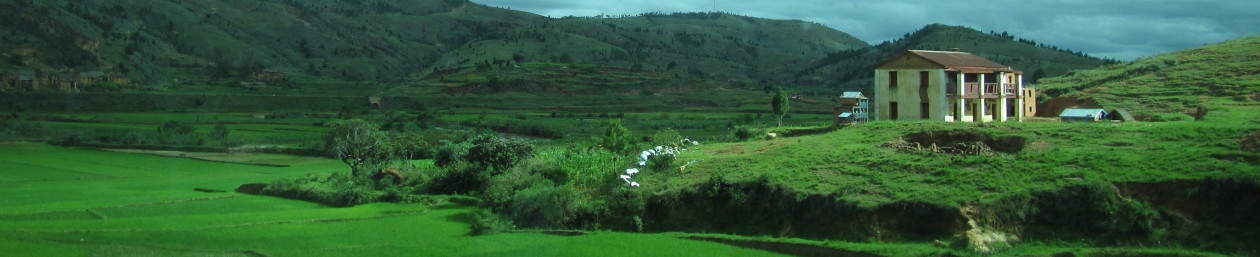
(1082, 115)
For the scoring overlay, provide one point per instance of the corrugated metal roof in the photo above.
(846, 115)
(852, 95)
(960, 60)
(1073, 112)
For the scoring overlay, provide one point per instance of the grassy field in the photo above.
(854, 163)
(79, 202)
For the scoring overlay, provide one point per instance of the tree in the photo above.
(780, 104)
(410, 146)
(356, 142)
(490, 151)
(616, 138)
(220, 133)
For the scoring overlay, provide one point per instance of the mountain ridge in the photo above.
(173, 43)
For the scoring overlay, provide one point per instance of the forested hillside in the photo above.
(852, 69)
(168, 44)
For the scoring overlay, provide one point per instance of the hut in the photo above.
(1082, 115)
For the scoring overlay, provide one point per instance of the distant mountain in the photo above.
(174, 43)
(852, 69)
(154, 40)
(1177, 82)
(713, 46)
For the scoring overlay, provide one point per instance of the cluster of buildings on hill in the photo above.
(947, 86)
(64, 80)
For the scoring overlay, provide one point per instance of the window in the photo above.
(923, 111)
(892, 79)
(892, 110)
(923, 79)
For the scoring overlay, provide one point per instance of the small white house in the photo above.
(1082, 115)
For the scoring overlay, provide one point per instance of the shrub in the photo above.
(746, 132)
(449, 154)
(490, 151)
(338, 190)
(460, 178)
(487, 223)
(544, 206)
(667, 137)
(1251, 143)
(616, 137)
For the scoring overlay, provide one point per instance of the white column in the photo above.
(980, 116)
(1002, 102)
(1019, 83)
(962, 103)
(873, 108)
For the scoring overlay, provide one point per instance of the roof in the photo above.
(845, 115)
(1074, 112)
(92, 74)
(955, 60)
(1124, 115)
(852, 95)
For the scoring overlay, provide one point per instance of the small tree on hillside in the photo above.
(616, 138)
(408, 147)
(356, 142)
(780, 104)
(220, 134)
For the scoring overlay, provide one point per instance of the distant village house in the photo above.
(948, 86)
(1082, 115)
(853, 109)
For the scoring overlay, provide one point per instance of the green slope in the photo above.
(851, 70)
(1227, 73)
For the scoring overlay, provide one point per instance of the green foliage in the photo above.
(220, 134)
(616, 138)
(488, 150)
(357, 143)
(409, 147)
(581, 168)
(1250, 142)
(779, 104)
(746, 132)
(450, 154)
(338, 190)
(178, 133)
(667, 137)
(544, 206)
(485, 222)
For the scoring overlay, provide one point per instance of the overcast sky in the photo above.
(1103, 28)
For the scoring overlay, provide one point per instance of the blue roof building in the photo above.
(1082, 115)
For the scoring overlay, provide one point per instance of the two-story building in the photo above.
(947, 86)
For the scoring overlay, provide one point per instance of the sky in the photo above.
(1117, 29)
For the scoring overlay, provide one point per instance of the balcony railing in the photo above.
(985, 90)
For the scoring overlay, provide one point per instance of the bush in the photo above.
(746, 132)
(1251, 143)
(544, 206)
(490, 151)
(449, 154)
(337, 190)
(616, 137)
(460, 178)
(487, 223)
(668, 137)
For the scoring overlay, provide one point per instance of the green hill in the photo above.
(196, 46)
(152, 41)
(851, 70)
(1176, 82)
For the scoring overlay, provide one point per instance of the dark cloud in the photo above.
(1104, 28)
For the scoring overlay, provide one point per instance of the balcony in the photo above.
(985, 90)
